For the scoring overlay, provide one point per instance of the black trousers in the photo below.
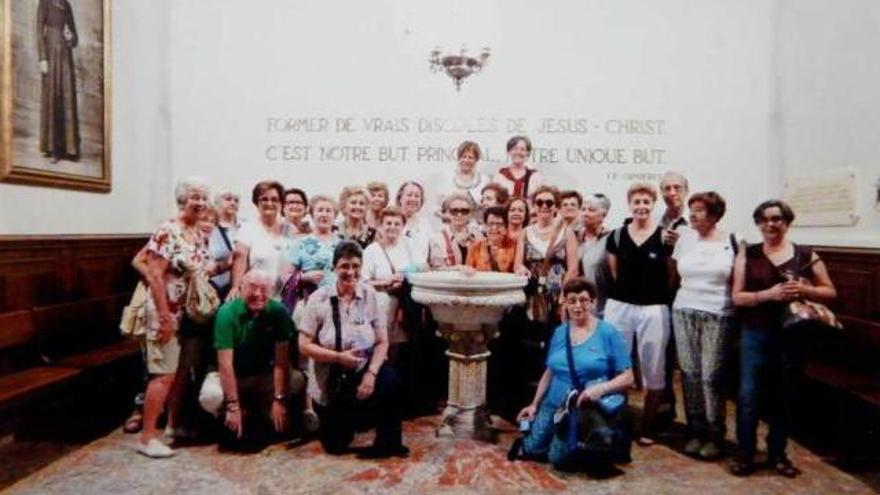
(381, 410)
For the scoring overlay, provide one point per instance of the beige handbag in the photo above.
(134, 316)
(202, 300)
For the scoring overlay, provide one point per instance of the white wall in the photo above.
(141, 159)
(827, 75)
(748, 91)
(699, 66)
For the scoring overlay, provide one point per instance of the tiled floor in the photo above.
(110, 465)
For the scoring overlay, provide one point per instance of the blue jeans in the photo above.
(541, 442)
(771, 365)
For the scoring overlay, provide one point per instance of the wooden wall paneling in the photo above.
(28, 282)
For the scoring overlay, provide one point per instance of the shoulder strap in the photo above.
(570, 356)
(225, 237)
(618, 232)
(734, 244)
(388, 259)
(552, 242)
(337, 324)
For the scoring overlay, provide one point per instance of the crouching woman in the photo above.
(345, 333)
(602, 368)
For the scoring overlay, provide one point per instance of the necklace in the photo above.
(473, 184)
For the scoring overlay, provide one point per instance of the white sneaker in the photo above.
(155, 449)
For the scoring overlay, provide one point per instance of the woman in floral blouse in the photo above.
(175, 250)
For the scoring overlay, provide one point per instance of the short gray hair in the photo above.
(223, 192)
(598, 199)
(184, 186)
(673, 175)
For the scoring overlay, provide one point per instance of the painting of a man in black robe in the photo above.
(56, 39)
(56, 84)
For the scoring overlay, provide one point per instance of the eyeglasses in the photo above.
(294, 202)
(541, 203)
(772, 219)
(268, 199)
(584, 301)
(460, 211)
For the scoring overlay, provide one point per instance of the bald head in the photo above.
(255, 288)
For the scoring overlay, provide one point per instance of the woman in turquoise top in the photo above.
(311, 256)
(600, 361)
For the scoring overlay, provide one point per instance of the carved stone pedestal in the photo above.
(468, 309)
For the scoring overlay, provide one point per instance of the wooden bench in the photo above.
(24, 376)
(83, 334)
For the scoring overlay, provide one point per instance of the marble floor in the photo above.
(109, 465)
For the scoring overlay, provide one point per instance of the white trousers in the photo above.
(650, 326)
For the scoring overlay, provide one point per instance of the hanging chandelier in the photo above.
(458, 66)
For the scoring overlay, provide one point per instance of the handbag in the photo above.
(802, 313)
(134, 316)
(202, 300)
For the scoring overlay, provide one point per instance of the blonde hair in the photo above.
(350, 191)
(641, 188)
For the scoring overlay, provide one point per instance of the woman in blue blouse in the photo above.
(600, 358)
(310, 257)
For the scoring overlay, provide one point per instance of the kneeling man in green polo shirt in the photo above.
(252, 337)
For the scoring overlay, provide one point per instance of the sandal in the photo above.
(742, 467)
(783, 466)
(134, 423)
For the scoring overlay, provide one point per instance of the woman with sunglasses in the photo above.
(766, 277)
(547, 252)
(449, 247)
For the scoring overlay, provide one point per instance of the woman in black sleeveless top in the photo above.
(767, 276)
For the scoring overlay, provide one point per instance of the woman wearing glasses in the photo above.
(766, 277)
(296, 212)
(449, 247)
(260, 244)
(547, 252)
(600, 361)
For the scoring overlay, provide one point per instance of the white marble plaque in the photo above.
(825, 200)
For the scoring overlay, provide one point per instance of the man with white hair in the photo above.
(674, 189)
(252, 337)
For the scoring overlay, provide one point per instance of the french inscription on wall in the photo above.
(412, 140)
(824, 200)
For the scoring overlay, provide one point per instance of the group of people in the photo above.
(316, 300)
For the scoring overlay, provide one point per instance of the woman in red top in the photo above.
(516, 177)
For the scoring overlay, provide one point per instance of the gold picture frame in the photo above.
(55, 93)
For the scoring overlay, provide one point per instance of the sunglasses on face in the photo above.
(541, 203)
(460, 211)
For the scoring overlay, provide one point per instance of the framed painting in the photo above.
(55, 97)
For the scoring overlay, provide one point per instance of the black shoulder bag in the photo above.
(342, 383)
